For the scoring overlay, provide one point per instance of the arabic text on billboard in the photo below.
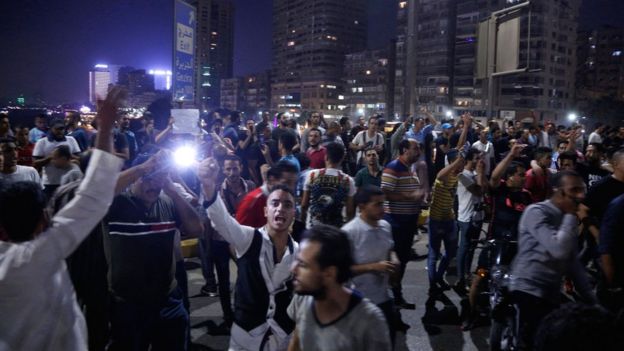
(184, 51)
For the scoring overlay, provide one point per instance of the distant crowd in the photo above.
(321, 221)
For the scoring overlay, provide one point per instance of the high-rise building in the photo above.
(249, 94)
(310, 41)
(139, 81)
(600, 64)
(232, 93)
(256, 93)
(366, 78)
(214, 49)
(441, 44)
(162, 78)
(99, 80)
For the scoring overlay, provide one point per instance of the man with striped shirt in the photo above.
(140, 228)
(442, 224)
(404, 196)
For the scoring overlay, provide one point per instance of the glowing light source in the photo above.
(185, 156)
(85, 109)
(572, 117)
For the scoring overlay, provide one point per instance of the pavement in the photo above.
(434, 325)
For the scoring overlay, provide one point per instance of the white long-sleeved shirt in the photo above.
(38, 306)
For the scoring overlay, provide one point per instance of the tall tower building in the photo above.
(99, 80)
(600, 67)
(441, 45)
(310, 41)
(214, 49)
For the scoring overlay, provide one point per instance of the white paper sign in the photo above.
(185, 121)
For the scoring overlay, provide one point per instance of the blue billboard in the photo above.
(183, 52)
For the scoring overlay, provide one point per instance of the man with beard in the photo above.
(315, 151)
(591, 170)
(547, 250)
(596, 203)
(264, 255)
(330, 316)
(43, 151)
(282, 127)
(314, 122)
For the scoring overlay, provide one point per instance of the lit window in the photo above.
(403, 4)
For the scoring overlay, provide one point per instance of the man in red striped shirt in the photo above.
(404, 195)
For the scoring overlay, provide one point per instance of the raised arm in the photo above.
(467, 118)
(71, 225)
(500, 169)
(237, 235)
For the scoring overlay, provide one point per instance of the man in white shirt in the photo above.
(372, 248)
(37, 300)
(11, 171)
(43, 151)
(471, 186)
(596, 136)
(365, 139)
(487, 149)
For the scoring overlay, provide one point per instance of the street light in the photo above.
(572, 117)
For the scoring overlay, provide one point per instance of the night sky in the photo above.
(48, 46)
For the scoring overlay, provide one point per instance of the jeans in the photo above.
(220, 251)
(440, 231)
(403, 230)
(207, 263)
(137, 326)
(468, 235)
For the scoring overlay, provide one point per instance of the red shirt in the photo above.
(537, 185)
(24, 155)
(317, 157)
(250, 211)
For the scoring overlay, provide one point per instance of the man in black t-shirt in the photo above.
(597, 201)
(591, 170)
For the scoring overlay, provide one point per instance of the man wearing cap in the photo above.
(44, 148)
(11, 172)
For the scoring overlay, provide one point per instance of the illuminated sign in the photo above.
(183, 52)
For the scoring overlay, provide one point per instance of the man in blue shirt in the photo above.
(421, 129)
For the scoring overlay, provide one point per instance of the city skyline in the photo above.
(70, 37)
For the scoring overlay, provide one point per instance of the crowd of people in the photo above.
(320, 221)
